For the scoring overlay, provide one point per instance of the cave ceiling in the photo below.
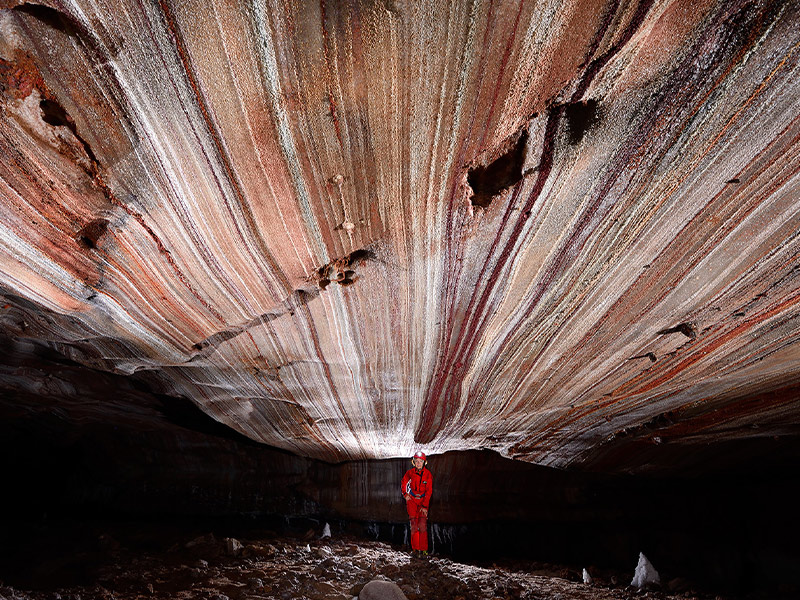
(558, 230)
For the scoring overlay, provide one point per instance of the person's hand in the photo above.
(424, 511)
(406, 496)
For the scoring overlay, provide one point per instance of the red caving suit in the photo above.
(419, 485)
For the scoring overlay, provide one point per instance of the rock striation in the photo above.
(566, 232)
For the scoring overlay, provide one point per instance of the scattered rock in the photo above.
(291, 569)
(409, 590)
(390, 571)
(356, 589)
(203, 539)
(678, 585)
(381, 590)
(325, 589)
(233, 547)
(205, 546)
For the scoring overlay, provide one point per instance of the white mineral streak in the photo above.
(39, 266)
(269, 65)
(186, 205)
(239, 156)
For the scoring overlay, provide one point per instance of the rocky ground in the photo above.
(306, 567)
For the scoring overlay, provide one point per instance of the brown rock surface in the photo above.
(294, 569)
(563, 231)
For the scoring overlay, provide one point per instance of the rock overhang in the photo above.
(348, 231)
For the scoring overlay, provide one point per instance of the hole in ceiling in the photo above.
(92, 232)
(343, 270)
(53, 113)
(488, 181)
(649, 355)
(687, 329)
(580, 117)
(359, 256)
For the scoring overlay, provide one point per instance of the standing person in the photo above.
(416, 487)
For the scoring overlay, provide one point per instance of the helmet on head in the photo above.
(420, 454)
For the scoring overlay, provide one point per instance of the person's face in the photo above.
(418, 463)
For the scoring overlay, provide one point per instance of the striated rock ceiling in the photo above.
(565, 231)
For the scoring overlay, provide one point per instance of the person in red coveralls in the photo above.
(416, 487)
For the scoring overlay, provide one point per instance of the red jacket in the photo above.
(419, 484)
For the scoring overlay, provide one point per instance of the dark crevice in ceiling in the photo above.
(487, 181)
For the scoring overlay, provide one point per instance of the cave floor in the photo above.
(281, 567)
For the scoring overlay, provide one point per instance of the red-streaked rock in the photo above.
(268, 210)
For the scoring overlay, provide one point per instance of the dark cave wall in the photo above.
(78, 444)
(73, 439)
(76, 440)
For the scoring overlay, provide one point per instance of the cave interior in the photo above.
(254, 255)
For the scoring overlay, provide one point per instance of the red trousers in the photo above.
(419, 525)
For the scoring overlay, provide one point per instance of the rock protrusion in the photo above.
(645, 574)
(381, 590)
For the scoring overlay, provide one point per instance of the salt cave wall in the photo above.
(75, 439)
(551, 229)
(78, 445)
(561, 231)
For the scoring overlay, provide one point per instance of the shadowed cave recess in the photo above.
(90, 457)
